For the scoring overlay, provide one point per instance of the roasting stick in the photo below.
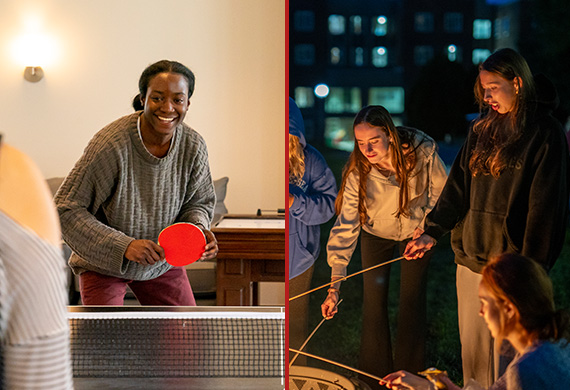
(311, 335)
(382, 381)
(346, 277)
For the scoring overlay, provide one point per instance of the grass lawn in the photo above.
(339, 338)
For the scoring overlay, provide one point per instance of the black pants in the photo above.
(299, 313)
(376, 347)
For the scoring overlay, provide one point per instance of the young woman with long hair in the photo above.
(392, 179)
(507, 191)
(517, 305)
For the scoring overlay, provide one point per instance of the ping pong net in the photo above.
(121, 342)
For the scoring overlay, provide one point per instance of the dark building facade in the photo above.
(418, 58)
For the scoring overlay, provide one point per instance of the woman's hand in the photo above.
(144, 252)
(329, 306)
(211, 248)
(405, 380)
(418, 247)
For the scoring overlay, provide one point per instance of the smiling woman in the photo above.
(165, 90)
(138, 175)
(165, 106)
(91, 57)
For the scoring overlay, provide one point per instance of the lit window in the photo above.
(304, 21)
(304, 54)
(355, 103)
(398, 121)
(304, 97)
(356, 24)
(453, 22)
(338, 133)
(380, 26)
(341, 100)
(423, 22)
(506, 27)
(480, 55)
(481, 29)
(380, 57)
(335, 56)
(422, 55)
(502, 27)
(392, 98)
(334, 103)
(359, 56)
(336, 24)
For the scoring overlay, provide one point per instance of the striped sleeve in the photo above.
(34, 328)
(39, 364)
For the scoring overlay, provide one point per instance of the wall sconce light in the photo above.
(33, 73)
(34, 51)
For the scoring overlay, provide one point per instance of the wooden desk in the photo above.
(251, 250)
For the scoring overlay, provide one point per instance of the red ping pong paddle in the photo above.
(183, 243)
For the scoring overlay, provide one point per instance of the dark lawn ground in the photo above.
(339, 338)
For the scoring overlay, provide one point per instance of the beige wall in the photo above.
(236, 49)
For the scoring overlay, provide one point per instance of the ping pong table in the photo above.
(149, 347)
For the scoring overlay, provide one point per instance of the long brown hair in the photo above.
(402, 154)
(523, 282)
(498, 133)
(296, 160)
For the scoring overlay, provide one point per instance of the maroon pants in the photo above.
(170, 289)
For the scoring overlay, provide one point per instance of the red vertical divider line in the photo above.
(286, 352)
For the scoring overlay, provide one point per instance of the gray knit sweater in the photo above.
(118, 192)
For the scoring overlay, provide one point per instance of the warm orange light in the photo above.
(34, 49)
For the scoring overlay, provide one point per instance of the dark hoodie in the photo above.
(314, 201)
(524, 210)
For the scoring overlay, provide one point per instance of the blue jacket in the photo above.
(314, 201)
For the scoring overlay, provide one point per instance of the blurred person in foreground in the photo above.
(34, 332)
